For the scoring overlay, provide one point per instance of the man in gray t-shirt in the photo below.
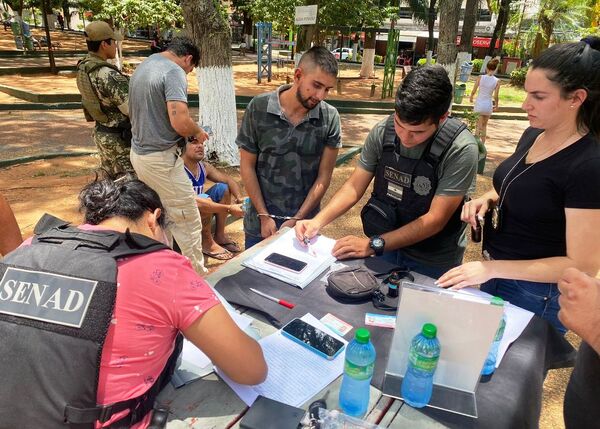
(161, 122)
(424, 164)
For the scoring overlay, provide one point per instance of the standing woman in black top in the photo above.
(543, 215)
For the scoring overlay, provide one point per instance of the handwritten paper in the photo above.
(295, 373)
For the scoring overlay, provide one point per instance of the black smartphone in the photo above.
(312, 338)
(286, 262)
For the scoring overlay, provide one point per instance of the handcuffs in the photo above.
(278, 217)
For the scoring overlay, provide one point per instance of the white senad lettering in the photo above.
(37, 293)
(55, 299)
(19, 295)
(7, 291)
(7, 288)
(78, 304)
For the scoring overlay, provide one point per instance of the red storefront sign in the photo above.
(484, 42)
(480, 42)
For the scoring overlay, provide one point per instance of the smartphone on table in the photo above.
(285, 262)
(313, 338)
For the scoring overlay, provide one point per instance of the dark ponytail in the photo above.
(575, 66)
(104, 199)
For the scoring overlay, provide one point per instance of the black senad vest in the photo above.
(56, 303)
(404, 187)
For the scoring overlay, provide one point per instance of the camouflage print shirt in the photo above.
(112, 89)
(288, 156)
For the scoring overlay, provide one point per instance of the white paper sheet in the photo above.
(517, 320)
(317, 256)
(295, 373)
(194, 363)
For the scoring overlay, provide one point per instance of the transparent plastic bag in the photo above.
(334, 419)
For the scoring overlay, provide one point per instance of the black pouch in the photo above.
(357, 284)
(352, 284)
(378, 217)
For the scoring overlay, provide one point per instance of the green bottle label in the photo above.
(422, 362)
(500, 331)
(359, 372)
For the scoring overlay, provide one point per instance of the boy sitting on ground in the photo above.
(214, 201)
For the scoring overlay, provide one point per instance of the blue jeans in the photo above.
(398, 257)
(251, 240)
(539, 298)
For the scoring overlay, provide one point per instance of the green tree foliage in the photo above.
(557, 20)
(425, 11)
(279, 12)
(348, 13)
(140, 13)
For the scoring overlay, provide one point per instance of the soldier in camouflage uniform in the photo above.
(104, 93)
(289, 140)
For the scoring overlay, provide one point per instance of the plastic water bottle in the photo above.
(490, 362)
(423, 357)
(246, 205)
(358, 371)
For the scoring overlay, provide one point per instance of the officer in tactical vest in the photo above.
(104, 95)
(424, 164)
(91, 317)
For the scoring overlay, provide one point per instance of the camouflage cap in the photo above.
(99, 30)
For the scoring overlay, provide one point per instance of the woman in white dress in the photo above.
(489, 86)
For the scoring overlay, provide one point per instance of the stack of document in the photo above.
(317, 256)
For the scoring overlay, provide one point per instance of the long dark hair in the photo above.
(575, 66)
(128, 198)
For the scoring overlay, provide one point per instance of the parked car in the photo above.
(344, 52)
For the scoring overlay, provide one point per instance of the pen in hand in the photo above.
(272, 298)
(310, 250)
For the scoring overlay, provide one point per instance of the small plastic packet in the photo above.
(334, 419)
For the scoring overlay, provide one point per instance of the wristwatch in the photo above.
(377, 244)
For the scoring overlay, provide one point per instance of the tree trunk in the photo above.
(500, 26)
(211, 32)
(538, 45)
(45, 9)
(450, 10)
(66, 14)
(248, 28)
(547, 27)
(431, 24)
(468, 28)
(306, 33)
(367, 68)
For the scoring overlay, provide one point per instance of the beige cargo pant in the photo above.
(164, 172)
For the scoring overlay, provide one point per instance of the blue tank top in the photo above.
(197, 182)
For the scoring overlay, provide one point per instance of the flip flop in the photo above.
(232, 246)
(220, 256)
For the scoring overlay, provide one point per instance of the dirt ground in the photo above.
(52, 185)
(69, 41)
